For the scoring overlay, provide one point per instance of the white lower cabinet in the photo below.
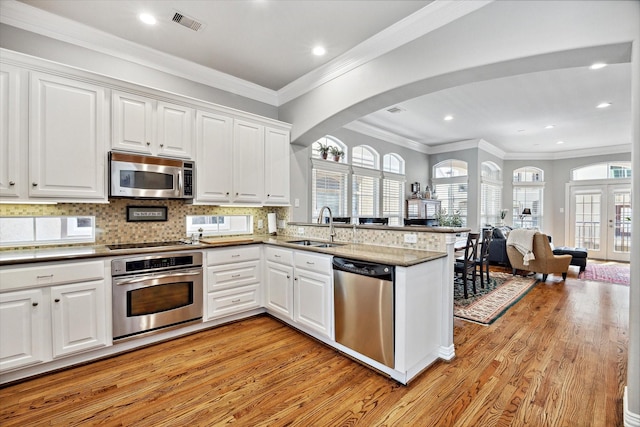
(233, 281)
(299, 288)
(43, 316)
(22, 329)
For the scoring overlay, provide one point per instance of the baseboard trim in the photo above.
(630, 419)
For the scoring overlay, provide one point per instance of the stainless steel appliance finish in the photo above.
(132, 175)
(155, 292)
(364, 308)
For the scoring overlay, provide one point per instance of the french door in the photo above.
(600, 220)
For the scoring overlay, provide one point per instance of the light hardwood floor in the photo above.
(556, 358)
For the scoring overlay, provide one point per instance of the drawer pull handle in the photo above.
(57, 300)
(235, 256)
(277, 256)
(235, 275)
(235, 300)
(48, 276)
(310, 262)
(12, 183)
(35, 304)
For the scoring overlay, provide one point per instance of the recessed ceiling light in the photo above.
(560, 142)
(447, 118)
(319, 51)
(147, 19)
(549, 126)
(603, 105)
(597, 65)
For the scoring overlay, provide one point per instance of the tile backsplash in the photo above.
(111, 218)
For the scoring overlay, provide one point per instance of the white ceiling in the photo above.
(268, 43)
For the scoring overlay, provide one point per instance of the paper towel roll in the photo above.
(271, 223)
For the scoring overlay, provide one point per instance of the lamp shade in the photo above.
(526, 211)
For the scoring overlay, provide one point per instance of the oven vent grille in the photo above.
(185, 21)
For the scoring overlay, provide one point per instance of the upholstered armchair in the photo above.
(545, 263)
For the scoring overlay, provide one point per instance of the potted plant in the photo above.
(336, 153)
(324, 149)
(503, 215)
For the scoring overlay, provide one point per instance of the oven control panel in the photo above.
(150, 263)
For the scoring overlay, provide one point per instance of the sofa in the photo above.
(498, 246)
(545, 261)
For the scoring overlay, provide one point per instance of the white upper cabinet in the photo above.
(67, 134)
(12, 176)
(214, 157)
(277, 145)
(248, 162)
(144, 125)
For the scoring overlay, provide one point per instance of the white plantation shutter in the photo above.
(393, 200)
(329, 188)
(490, 203)
(365, 192)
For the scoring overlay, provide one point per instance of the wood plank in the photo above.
(557, 357)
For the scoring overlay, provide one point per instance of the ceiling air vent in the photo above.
(394, 110)
(185, 21)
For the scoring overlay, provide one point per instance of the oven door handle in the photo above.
(139, 279)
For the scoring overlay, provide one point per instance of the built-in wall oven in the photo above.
(155, 292)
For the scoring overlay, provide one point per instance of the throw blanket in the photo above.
(522, 240)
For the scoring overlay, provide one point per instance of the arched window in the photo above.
(328, 178)
(611, 170)
(490, 194)
(325, 147)
(528, 195)
(365, 156)
(450, 184)
(393, 180)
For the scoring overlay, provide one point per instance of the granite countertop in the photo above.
(381, 254)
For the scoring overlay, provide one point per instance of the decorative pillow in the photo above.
(498, 234)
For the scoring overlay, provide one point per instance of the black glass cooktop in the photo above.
(145, 245)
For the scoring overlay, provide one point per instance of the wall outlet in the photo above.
(260, 224)
(296, 203)
(300, 230)
(411, 238)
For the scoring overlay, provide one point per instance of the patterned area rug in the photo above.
(492, 302)
(610, 273)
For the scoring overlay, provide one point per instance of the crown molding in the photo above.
(571, 154)
(431, 17)
(375, 132)
(32, 19)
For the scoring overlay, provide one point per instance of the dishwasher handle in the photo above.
(363, 268)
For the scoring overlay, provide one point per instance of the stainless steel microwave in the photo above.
(132, 175)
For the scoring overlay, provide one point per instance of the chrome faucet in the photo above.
(332, 232)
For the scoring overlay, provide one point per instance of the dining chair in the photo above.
(467, 265)
(482, 261)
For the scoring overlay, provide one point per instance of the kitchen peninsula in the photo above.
(423, 297)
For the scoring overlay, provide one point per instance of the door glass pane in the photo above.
(156, 299)
(587, 231)
(622, 222)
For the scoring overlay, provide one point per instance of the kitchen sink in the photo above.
(315, 243)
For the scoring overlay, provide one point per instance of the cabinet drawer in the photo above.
(231, 301)
(235, 254)
(281, 256)
(233, 275)
(46, 275)
(313, 262)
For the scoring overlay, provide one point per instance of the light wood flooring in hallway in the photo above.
(556, 358)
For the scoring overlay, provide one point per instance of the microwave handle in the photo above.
(180, 181)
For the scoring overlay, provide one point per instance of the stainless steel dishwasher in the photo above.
(364, 308)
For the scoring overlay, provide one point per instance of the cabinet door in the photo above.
(132, 123)
(66, 138)
(248, 162)
(279, 290)
(276, 167)
(22, 338)
(175, 130)
(214, 155)
(313, 300)
(79, 317)
(12, 164)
